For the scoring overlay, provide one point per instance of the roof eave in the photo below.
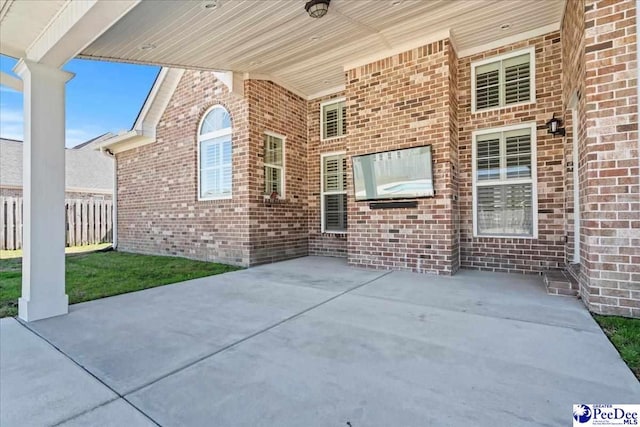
(126, 141)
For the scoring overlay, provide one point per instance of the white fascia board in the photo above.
(326, 92)
(509, 40)
(413, 44)
(152, 96)
(158, 100)
(126, 141)
(232, 80)
(76, 26)
(10, 81)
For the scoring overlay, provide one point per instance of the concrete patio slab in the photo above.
(130, 340)
(39, 385)
(313, 342)
(513, 296)
(374, 362)
(117, 413)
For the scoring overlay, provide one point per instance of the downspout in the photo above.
(114, 198)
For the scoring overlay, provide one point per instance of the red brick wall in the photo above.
(611, 214)
(158, 207)
(277, 231)
(401, 102)
(517, 254)
(453, 151)
(323, 244)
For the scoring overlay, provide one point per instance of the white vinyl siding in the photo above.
(273, 165)
(503, 81)
(333, 122)
(504, 177)
(215, 155)
(334, 193)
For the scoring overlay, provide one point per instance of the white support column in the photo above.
(43, 269)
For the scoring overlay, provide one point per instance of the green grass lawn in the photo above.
(625, 335)
(102, 274)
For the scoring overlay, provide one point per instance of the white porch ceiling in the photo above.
(21, 22)
(276, 39)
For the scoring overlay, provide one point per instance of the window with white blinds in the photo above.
(334, 193)
(333, 119)
(215, 155)
(507, 80)
(504, 177)
(273, 165)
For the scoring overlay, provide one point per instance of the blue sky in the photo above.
(102, 97)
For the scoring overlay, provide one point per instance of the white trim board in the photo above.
(283, 168)
(534, 179)
(413, 44)
(532, 78)
(509, 40)
(323, 230)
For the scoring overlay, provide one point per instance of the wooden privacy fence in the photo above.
(87, 222)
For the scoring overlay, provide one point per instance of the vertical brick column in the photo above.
(400, 102)
(611, 212)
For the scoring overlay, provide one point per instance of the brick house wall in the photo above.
(277, 231)
(323, 244)
(159, 211)
(415, 98)
(517, 254)
(573, 97)
(402, 102)
(158, 207)
(611, 209)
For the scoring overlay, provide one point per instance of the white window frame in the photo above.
(207, 136)
(532, 76)
(322, 105)
(324, 193)
(283, 168)
(533, 180)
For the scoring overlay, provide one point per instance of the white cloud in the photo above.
(7, 89)
(12, 127)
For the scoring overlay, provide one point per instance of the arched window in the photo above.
(214, 152)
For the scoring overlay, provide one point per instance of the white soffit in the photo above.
(277, 38)
(21, 22)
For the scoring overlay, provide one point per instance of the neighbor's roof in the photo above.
(86, 169)
(94, 142)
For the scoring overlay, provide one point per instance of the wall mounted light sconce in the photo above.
(317, 8)
(554, 126)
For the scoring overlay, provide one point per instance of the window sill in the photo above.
(333, 138)
(504, 236)
(335, 233)
(502, 107)
(213, 199)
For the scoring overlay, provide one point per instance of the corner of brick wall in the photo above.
(611, 208)
(277, 231)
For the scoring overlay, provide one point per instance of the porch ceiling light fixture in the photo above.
(210, 4)
(554, 126)
(317, 8)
